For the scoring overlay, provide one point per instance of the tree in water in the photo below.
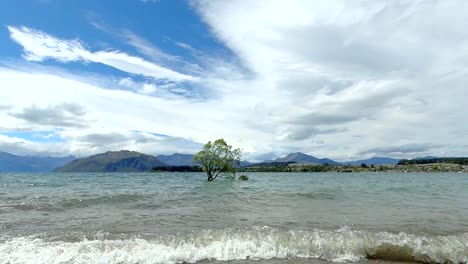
(218, 157)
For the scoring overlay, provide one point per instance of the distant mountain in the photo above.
(245, 163)
(113, 161)
(373, 161)
(270, 164)
(14, 163)
(299, 157)
(177, 159)
(425, 158)
(454, 160)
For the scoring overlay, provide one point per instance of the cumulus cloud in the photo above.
(63, 115)
(374, 72)
(306, 132)
(39, 46)
(135, 140)
(129, 83)
(99, 139)
(148, 88)
(24, 147)
(401, 150)
(5, 107)
(107, 112)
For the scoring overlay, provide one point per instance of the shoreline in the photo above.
(413, 168)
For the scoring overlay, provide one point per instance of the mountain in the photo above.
(177, 159)
(425, 158)
(269, 164)
(113, 161)
(245, 163)
(299, 157)
(14, 163)
(373, 161)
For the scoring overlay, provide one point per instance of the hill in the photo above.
(299, 157)
(270, 164)
(14, 163)
(425, 158)
(373, 161)
(453, 160)
(177, 159)
(113, 161)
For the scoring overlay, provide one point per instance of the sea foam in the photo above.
(239, 244)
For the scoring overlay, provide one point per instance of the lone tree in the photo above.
(218, 157)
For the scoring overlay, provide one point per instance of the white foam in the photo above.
(237, 244)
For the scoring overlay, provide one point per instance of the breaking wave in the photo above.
(241, 244)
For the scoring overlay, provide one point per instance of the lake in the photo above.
(271, 218)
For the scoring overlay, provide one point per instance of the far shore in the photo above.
(307, 167)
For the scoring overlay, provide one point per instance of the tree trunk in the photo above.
(210, 175)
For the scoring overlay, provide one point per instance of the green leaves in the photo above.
(218, 157)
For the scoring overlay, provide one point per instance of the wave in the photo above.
(324, 195)
(241, 244)
(51, 204)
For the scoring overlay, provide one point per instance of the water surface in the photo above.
(279, 217)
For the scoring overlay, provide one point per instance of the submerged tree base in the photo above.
(243, 178)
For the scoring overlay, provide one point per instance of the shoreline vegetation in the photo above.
(301, 167)
(297, 167)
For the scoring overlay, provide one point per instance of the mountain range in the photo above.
(373, 161)
(300, 157)
(113, 161)
(125, 160)
(14, 163)
(177, 159)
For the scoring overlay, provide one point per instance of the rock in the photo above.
(243, 178)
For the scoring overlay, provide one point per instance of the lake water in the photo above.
(272, 218)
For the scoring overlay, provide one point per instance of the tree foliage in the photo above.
(218, 158)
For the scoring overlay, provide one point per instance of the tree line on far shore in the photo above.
(459, 161)
(193, 168)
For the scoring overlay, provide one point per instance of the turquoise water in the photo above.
(274, 217)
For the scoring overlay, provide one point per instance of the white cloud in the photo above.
(107, 111)
(62, 115)
(168, 90)
(371, 71)
(334, 78)
(148, 88)
(129, 83)
(19, 146)
(39, 46)
(145, 47)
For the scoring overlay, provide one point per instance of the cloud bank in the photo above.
(334, 78)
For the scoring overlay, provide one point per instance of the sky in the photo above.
(338, 79)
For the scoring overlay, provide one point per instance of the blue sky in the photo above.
(334, 79)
